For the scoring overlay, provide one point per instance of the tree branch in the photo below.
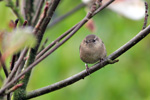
(2, 63)
(38, 31)
(66, 33)
(20, 59)
(15, 10)
(81, 23)
(146, 15)
(29, 11)
(17, 3)
(54, 42)
(43, 45)
(59, 19)
(14, 57)
(92, 69)
(37, 13)
(1, 78)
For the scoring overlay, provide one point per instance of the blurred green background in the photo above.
(129, 79)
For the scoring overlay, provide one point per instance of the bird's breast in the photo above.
(91, 54)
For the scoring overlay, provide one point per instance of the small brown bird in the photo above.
(92, 49)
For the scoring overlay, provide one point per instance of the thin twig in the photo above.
(92, 69)
(146, 15)
(20, 67)
(29, 10)
(66, 33)
(81, 23)
(36, 3)
(14, 56)
(104, 6)
(44, 22)
(17, 3)
(13, 61)
(8, 96)
(43, 45)
(59, 19)
(38, 32)
(13, 72)
(1, 78)
(16, 10)
(37, 13)
(2, 62)
(54, 42)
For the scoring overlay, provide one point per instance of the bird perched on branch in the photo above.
(92, 50)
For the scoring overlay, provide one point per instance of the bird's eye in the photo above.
(94, 40)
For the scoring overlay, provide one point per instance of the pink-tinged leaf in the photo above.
(91, 25)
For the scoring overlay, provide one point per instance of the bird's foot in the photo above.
(101, 59)
(87, 69)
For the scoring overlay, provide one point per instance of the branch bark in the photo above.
(59, 19)
(82, 74)
(92, 69)
(146, 15)
(12, 74)
(37, 13)
(38, 31)
(2, 63)
(29, 10)
(16, 10)
(42, 29)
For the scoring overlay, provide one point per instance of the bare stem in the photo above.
(146, 15)
(43, 45)
(37, 13)
(104, 6)
(59, 19)
(81, 23)
(54, 42)
(38, 31)
(15, 10)
(13, 72)
(2, 63)
(17, 3)
(29, 10)
(1, 78)
(83, 74)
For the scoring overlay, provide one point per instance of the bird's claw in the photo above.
(112, 61)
